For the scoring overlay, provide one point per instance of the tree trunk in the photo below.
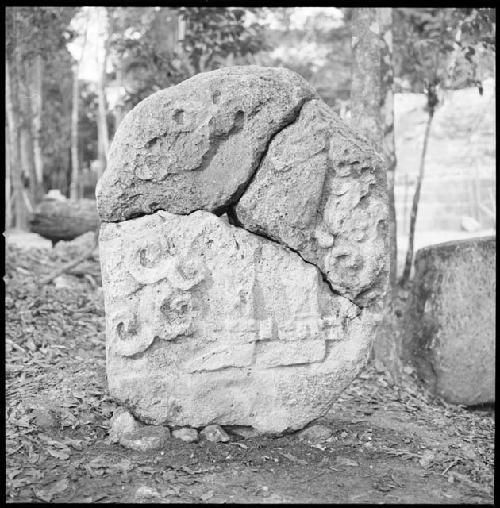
(387, 109)
(75, 115)
(414, 209)
(102, 125)
(26, 158)
(365, 92)
(386, 345)
(8, 203)
(37, 125)
(75, 169)
(21, 212)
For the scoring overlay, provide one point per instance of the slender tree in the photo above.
(438, 48)
(387, 112)
(365, 88)
(74, 192)
(37, 94)
(21, 212)
(432, 102)
(102, 125)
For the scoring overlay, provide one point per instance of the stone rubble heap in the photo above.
(243, 252)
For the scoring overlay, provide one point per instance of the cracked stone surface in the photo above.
(320, 190)
(208, 323)
(262, 316)
(195, 145)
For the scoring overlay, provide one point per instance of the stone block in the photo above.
(194, 146)
(262, 316)
(320, 190)
(186, 348)
(450, 323)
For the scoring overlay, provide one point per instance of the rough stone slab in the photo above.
(450, 323)
(194, 146)
(192, 302)
(320, 190)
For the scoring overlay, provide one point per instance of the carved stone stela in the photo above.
(261, 319)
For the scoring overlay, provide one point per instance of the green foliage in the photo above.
(37, 30)
(320, 51)
(434, 45)
(213, 33)
(152, 53)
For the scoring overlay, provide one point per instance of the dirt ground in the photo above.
(389, 444)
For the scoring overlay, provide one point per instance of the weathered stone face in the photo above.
(195, 146)
(320, 190)
(450, 323)
(208, 323)
(262, 316)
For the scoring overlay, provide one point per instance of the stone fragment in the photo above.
(450, 323)
(146, 438)
(320, 190)
(215, 433)
(122, 423)
(186, 434)
(315, 433)
(196, 145)
(199, 314)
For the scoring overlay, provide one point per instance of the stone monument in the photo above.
(243, 252)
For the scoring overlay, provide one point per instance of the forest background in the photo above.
(74, 72)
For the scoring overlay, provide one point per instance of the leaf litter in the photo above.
(399, 440)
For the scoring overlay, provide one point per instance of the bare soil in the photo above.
(389, 444)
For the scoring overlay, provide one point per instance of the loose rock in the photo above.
(122, 423)
(215, 433)
(146, 438)
(186, 434)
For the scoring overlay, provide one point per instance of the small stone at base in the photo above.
(186, 434)
(146, 438)
(214, 433)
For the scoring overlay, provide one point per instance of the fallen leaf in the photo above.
(291, 457)
(54, 489)
(345, 461)
(62, 455)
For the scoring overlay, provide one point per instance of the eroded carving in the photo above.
(260, 318)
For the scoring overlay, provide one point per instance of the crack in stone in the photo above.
(291, 249)
(229, 207)
(290, 119)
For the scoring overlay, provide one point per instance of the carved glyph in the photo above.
(260, 316)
